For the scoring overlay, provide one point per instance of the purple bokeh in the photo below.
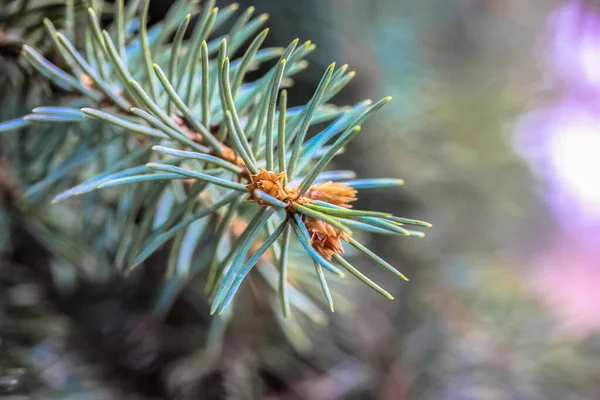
(561, 141)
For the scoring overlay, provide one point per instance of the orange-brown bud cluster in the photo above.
(324, 237)
(272, 184)
(339, 194)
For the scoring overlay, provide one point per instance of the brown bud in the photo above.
(272, 184)
(324, 237)
(339, 194)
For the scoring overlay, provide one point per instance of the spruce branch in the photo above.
(198, 143)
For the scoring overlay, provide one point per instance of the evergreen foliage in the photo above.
(206, 164)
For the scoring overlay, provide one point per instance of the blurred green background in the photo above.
(482, 317)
